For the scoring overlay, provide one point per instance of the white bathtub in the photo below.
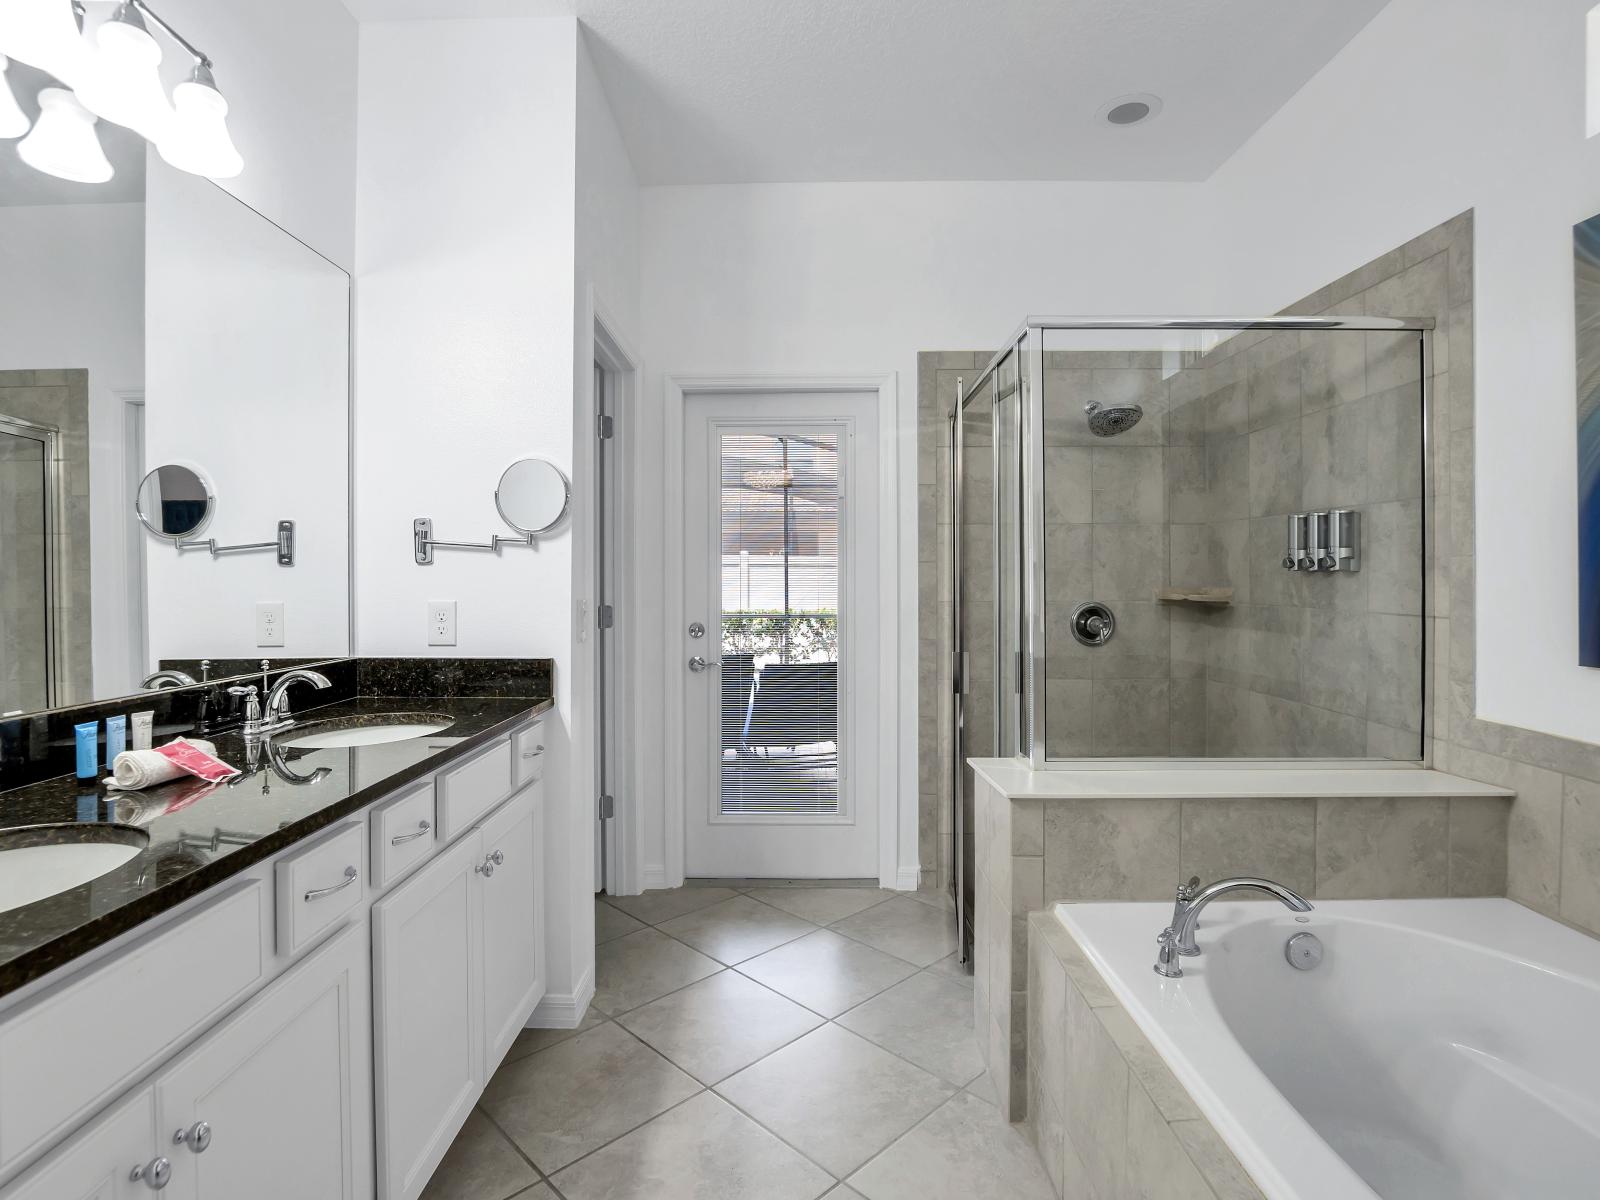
(1443, 1050)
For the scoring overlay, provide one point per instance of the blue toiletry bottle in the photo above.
(116, 738)
(88, 739)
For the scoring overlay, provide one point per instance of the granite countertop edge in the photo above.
(36, 962)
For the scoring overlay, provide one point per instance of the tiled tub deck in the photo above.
(1351, 834)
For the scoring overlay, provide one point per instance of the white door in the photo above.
(98, 1163)
(277, 1101)
(427, 1016)
(778, 654)
(513, 921)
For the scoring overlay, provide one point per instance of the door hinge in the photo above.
(608, 807)
(606, 616)
(606, 426)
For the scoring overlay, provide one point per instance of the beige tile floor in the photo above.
(753, 1043)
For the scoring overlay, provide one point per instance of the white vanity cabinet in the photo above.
(458, 967)
(98, 1163)
(192, 1060)
(277, 1101)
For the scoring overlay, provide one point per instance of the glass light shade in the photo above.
(13, 121)
(63, 141)
(122, 83)
(197, 140)
(44, 34)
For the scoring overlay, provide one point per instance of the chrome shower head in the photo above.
(1108, 422)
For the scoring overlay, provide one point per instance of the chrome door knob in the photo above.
(156, 1173)
(698, 664)
(197, 1137)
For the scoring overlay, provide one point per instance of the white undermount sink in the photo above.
(44, 860)
(370, 732)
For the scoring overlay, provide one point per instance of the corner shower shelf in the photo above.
(1205, 595)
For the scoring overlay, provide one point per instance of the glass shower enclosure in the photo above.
(1189, 539)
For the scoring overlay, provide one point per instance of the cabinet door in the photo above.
(280, 1092)
(513, 920)
(98, 1163)
(428, 1006)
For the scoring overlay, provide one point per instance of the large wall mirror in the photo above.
(155, 325)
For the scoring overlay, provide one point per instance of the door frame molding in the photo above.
(897, 797)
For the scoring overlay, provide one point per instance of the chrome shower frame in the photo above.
(1028, 339)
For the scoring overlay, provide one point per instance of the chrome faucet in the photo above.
(166, 679)
(276, 715)
(1178, 938)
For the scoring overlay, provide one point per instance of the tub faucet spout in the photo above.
(1178, 938)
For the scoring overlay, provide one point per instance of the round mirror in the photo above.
(533, 495)
(174, 502)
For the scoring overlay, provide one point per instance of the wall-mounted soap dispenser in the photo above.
(1294, 546)
(1344, 540)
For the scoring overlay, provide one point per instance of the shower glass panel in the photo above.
(25, 584)
(1177, 465)
(1193, 539)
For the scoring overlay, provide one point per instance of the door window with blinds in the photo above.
(780, 505)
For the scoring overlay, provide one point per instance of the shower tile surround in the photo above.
(1542, 850)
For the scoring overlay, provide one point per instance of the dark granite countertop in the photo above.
(201, 834)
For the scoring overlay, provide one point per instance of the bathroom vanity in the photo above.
(300, 984)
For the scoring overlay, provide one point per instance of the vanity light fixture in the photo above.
(13, 121)
(62, 142)
(125, 85)
(47, 34)
(118, 78)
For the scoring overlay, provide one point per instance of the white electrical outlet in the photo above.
(441, 622)
(269, 623)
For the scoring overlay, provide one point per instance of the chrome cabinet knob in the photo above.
(197, 1137)
(534, 753)
(350, 876)
(498, 858)
(486, 867)
(401, 839)
(155, 1174)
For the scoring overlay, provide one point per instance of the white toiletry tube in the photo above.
(143, 726)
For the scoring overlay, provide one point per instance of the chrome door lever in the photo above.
(698, 664)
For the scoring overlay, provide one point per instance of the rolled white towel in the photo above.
(133, 770)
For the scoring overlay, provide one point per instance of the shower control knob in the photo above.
(1093, 624)
(1304, 951)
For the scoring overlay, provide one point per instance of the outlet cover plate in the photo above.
(269, 623)
(441, 622)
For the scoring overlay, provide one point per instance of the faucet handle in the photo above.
(1186, 891)
(252, 706)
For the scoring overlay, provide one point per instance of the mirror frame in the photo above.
(566, 502)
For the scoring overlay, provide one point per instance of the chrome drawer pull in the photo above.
(319, 893)
(422, 828)
(534, 753)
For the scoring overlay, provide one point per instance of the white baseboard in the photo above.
(564, 1010)
(909, 879)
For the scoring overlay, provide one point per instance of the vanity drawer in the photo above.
(64, 1053)
(402, 834)
(317, 886)
(470, 789)
(527, 754)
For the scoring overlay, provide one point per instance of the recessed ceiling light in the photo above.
(1133, 109)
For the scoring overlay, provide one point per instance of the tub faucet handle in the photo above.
(1167, 964)
(1186, 894)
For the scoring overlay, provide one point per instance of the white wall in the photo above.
(857, 279)
(606, 279)
(86, 262)
(247, 380)
(288, 70)
(465, 347)
(1436, 107)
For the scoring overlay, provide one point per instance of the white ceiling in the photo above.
(742, 91)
